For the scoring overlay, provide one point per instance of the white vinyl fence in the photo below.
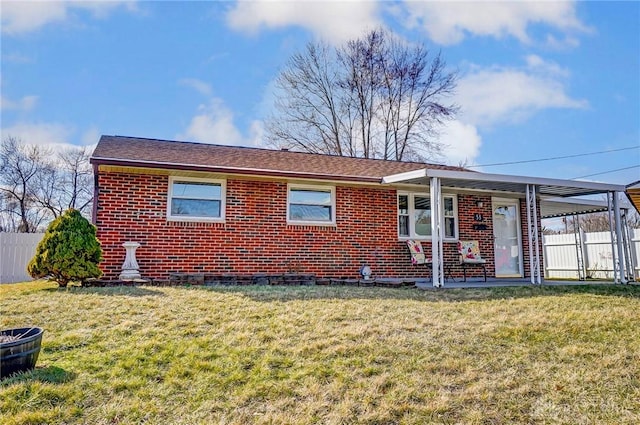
(561, 255)
(16, 250)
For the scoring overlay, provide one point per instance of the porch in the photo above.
(543, 198)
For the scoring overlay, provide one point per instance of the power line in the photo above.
(552, 158)
(606, 172)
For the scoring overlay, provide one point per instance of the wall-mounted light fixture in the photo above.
(479, 204)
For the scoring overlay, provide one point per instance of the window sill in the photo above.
(195, 219)
(311, 223)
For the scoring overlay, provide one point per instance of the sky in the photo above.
(536, 79)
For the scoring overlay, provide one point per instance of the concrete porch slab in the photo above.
(497, 283)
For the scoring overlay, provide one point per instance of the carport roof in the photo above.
(562, 207)
(504, 183)
(558, 197)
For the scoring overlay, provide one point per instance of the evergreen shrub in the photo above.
(68, 252)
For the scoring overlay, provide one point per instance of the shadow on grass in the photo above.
(47, 374)
(116, 291)
(296, 293)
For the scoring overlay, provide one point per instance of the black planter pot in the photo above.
(20, 355)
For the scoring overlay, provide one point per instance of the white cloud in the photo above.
(256, 134)
(537, 64)
(462, 142)
(498, 95)
(215, 124)
(501, 94)
(39, 133)
(450, 22)
(53, 136)
(568, 42)
(198, 85)
(20, 17)
(90, 136)
(334, 21)
(27, 103)
(24, 16)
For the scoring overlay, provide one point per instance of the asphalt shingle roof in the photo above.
(134, 151)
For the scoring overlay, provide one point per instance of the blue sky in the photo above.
(537, 79)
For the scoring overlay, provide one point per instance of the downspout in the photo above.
(94, 209)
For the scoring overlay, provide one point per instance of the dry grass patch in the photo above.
(326, 355)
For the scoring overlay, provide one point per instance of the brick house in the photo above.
(200, 208)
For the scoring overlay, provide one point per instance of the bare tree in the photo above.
(21, 168)
(374, 97)
(66, 183)
(599, 222)
(310, 112)
(37, 186)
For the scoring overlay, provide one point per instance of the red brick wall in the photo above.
(467, 208)
(256, 238)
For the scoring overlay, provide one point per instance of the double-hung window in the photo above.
(196, 199)
(311, 204)
(414, 216)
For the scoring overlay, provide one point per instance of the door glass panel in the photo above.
(507, 244)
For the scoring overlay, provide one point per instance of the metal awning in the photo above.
(562, 207)
(472, 180)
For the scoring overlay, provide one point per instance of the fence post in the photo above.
(582, 253)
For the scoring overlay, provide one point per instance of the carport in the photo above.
(544, 197)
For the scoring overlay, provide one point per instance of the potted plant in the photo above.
(19, 349)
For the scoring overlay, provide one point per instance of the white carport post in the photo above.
(626, 241)
(618, 230)
(437, 254)
(533, 234)
(612, 233)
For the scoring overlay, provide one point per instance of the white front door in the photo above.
(507, 237)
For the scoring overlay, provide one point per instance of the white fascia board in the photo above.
(539, 181)
(402, 177)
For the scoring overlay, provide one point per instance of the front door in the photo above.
(507, 237)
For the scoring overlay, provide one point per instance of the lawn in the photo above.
(326, 355)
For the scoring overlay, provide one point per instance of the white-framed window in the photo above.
(414, 215)
(307, 204)
(196, 199)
